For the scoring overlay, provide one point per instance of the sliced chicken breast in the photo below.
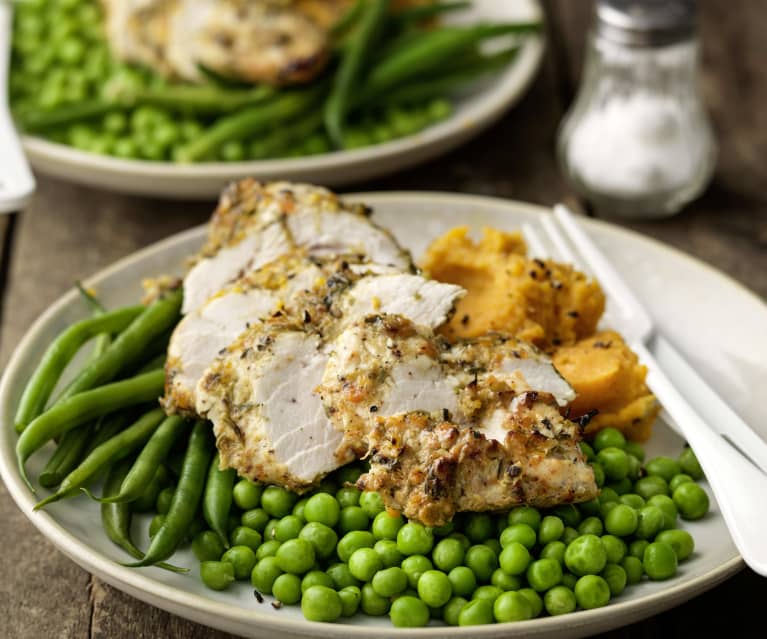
(255, 223)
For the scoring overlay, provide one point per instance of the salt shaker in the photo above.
(637, 141)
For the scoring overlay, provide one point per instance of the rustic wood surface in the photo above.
(68, 232)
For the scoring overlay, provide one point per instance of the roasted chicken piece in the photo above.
(255, 223)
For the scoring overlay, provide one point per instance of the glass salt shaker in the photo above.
(637, 141)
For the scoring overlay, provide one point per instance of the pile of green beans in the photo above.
(392, 74)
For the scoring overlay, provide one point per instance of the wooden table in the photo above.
(69, 232)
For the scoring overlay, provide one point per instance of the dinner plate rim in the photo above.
(198, 607)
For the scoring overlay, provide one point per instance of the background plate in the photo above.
(693, 305)
(473, 113)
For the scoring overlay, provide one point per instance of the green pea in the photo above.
(115, 122)
(568, 513)
(267, 549)
(388, 552)
(216, 575)
(242, 558)
(587, 451)
(462, 538)
(494, 545)
(615, 463)
(634, 569)
(444, 530)
(622, 520)
(255, 519)
(635, 450)
(514, 558)
(635, 468)
(680, 540)
(504, 581)
(569, 535)
(667, 507)
(298, 509)
(372, 603)
(591, 526)
(243, 536)
(550, 529)
(569, 580)
(586, 555)
(316, 578)
(616, 578)
(689, 464)
(409, 612)
(322, 508)
(414, 539)
(554, 550)
(264, 574)
(659, 561)
(390, 581)
(414, 566)
(536, 601)
(348, 496)
(289, 527)
(633, 500)
(452, 610)
(488, 591)
(295, 556)
(615, 548)
(231, 151)
(349, 474)
(207, 546)
(287, 589)
(163, 500)
(320, 603)
(663, 467)
(521, 533)
(434, 588)
(476, 612)
(599, 473)
(587, 508)
(276, 501)
(479, 527)
(372, 503)
(350, 600)
(386, 526)
(321, 537)
(341, 576)
(463, 581)
(543, 574)
(651, 485)
(650, 522)
(482, 561)
(691, 500)
(592, 591)
(364, 563)
(125, 148)
(352, 518)
(447, 554)
(525, 515)
(609, 438)
(353, 540)
(676, 480)
(622, 486)
(559, 601)
(637, 546)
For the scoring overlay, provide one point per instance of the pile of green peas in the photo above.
(60, 57)
(336, 551)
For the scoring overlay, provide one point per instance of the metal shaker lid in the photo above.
(646, 23)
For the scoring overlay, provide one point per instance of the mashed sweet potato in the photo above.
(555, 307)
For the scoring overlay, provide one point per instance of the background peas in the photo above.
(609, 438)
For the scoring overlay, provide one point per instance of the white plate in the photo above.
(693, 305)
(473, 113)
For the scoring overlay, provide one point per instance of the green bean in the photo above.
(428, 11)
(117, 447)
(353, 59)
(83, 407)
(103, 340)
(150, 458)
(59, 354)
(66, 456)
(283, 139)
(250, 121)
(217, 500)
(41, 119)
(158, 361)
(108, 426)
(130, 345)
(116, 518)
(186, 497)
(422, 90)
(199, 99)
(429, 52)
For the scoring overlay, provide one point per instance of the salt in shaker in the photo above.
(637, 141)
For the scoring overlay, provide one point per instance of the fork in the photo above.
(738, 482)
